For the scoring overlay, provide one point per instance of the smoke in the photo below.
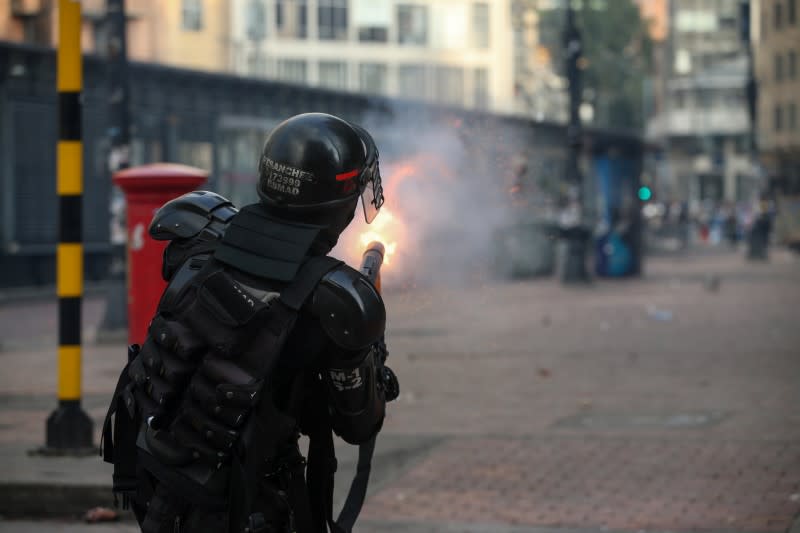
(446, 180)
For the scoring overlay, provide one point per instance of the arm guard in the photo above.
(354, 393)
(352, 314)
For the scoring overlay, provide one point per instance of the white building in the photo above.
(456, 52)
(704, 125)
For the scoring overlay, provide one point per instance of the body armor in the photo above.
(201, 378)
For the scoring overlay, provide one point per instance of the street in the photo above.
(662, 404)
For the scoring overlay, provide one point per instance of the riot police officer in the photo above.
(259, 337)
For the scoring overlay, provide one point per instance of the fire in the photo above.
(381, 230)
(392, 226)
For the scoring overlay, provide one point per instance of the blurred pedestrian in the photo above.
(760, 233)
(731, 227)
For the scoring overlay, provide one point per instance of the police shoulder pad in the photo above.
(349, 308)
(188, 215)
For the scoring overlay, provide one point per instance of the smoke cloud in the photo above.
(447, 182)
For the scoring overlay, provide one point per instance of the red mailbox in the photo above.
(146, 189)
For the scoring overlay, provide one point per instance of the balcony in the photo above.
(699, 122)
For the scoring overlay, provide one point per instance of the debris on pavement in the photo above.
(662, 315)
(100, 514)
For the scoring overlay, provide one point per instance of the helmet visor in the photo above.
(370, 178)
(372, 194)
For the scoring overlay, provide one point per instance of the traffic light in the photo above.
(645, 193)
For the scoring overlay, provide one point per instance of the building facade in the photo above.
(539, 90)
(776, 46)
(455, 52)
(703, 125)
(182, 33)
(474, 54)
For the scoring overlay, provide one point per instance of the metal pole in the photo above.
(115, 318)
(69, 428)
(575, 234)
(758, 238)
(751, 88)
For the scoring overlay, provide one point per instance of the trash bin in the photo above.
(525, 249)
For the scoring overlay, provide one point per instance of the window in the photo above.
(741, 144)
(412, 24)
(332, 18)
(413, 81)
(256, 64)
(792, 126)
(480, 25)
(778, 67)
(449, 85)
(291, 18)
(373, 34)
(728, 22)
(696, 20)
(791, 65)
(371, 19)
(372, 78)
(705, 99)
(256, 20)
(480, 88)
(777, 12)
(734, 98)
(778, 124)
(292, 70)
(791, 12)
(333, 74)
(192, 15)
(679, 99)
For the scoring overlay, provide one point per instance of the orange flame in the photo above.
(390, 226)
(384, 230)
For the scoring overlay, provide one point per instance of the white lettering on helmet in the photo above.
(284, 179)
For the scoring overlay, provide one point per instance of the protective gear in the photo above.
(194, 445)
(193, 222)
(186, 216)
(349, 308)
(259, 336)
(318, 164)
(358, 402)
(258, 243)
(352, 314)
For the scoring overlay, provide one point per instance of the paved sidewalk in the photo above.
(660, 404)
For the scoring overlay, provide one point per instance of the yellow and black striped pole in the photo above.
(69, 428)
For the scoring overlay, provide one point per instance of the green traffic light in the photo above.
(645, 193)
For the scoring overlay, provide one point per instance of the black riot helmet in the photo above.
(314, 166)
